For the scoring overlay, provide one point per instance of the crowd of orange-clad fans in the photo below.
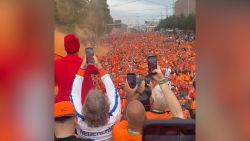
(96, 100)
(175, 53)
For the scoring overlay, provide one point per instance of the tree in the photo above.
(72, 15)
(67, 13)
(180, 22)
(190, 22)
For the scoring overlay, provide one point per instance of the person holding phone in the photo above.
(158, 105)
(66, 68)
(164, 104)
(95, 119)
(131, 127)
(90, 69)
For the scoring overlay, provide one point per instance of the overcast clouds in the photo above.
(134, 12)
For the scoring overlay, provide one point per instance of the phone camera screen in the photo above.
(131, 78)
(90, 54)
(152, 64)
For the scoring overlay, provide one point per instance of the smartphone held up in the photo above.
(89, 55)
(152, 64)
(131, 78)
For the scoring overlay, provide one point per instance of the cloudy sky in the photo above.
(136, 12)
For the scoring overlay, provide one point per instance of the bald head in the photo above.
(157, 99)
(135, 114)
(64, 126)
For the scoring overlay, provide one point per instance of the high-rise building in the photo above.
(184, 7)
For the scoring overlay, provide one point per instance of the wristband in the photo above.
(81, 72)
(162, 81)
(102, 72)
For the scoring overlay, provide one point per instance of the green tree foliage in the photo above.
(181, 22)
(90, 14)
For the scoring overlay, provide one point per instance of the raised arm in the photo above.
(76, 90)
(171, 99)
(112, 93)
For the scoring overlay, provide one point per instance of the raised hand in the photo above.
(134, 94)
(84, 64)
(98, 65)
(159, 75)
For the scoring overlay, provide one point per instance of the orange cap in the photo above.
(64, 108)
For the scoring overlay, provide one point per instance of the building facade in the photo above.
(184, 7)
(151, 25)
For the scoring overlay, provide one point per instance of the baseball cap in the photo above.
(63, 109)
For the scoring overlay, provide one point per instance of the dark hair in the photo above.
(147, 79)
(145, 95)
(63, 119)
(145, 98)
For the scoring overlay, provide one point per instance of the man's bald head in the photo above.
(135, 114)
(157, 99)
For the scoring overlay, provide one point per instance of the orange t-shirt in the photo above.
(120, 132)
(186, 77)
(142, 72)
(193, 105)
(166, 116)
(186, 114)
(181, 77)
(151, 115)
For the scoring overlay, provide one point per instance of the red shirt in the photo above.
(65, 70)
